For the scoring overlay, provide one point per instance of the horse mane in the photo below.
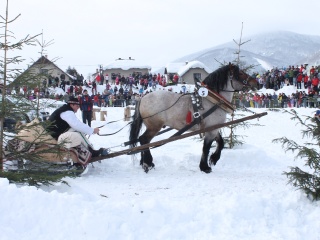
(218, 79)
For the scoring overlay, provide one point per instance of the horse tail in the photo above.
(135, 125)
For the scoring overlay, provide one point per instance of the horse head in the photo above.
(243, 79)
(248, 81)
(218, 80)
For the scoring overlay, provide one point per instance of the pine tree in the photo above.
(307, 181)
(72, 72)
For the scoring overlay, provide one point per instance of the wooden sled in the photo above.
(33, 139)
(61, 156)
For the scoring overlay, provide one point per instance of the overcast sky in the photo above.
(87, 33)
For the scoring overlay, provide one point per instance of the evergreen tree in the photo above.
(27, 166)
(307, 181)
(72, 72)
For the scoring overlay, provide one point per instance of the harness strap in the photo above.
(187, 127)
(216, 97)
(196, 114)
(194, 122)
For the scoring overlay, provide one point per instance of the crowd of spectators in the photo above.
(296, 76)
(119, 91)
(305, 80)
(281, 100)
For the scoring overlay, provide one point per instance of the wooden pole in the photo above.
(127, 113)
(103, 115)
(175, 138)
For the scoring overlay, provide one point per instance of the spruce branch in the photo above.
(29, 167)
(308, 182)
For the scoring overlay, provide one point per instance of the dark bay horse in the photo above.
(164, 108)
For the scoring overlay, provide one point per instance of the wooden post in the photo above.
(95, 110)
(127, 114)
(103, 115)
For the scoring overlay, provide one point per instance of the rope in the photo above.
(108, 134)
(110, 122)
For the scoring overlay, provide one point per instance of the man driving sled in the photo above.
(68, 130)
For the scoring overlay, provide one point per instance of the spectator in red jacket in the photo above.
(86, 106)
(98, 78)
(312, 71)
(315, 83)
(175, 79)
(96, 100)
(305, 80)
(299, 80)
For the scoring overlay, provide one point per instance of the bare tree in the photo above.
(233, 139)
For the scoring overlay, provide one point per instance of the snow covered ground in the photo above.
(245, 197)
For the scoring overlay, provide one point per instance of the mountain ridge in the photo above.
(275, 49)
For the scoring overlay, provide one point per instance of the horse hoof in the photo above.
(146, 167)
(207, 170)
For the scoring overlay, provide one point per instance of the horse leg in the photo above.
(146, 158)
(205, 152)
(216, 155)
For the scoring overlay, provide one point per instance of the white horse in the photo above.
(164, 108)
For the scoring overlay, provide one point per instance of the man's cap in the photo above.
(73, 100)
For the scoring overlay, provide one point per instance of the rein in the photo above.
(110, 122)
(108, 134)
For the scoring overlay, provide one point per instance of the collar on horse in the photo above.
(196, 100)
(216, 98)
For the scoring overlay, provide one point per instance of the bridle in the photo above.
(244, 82)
